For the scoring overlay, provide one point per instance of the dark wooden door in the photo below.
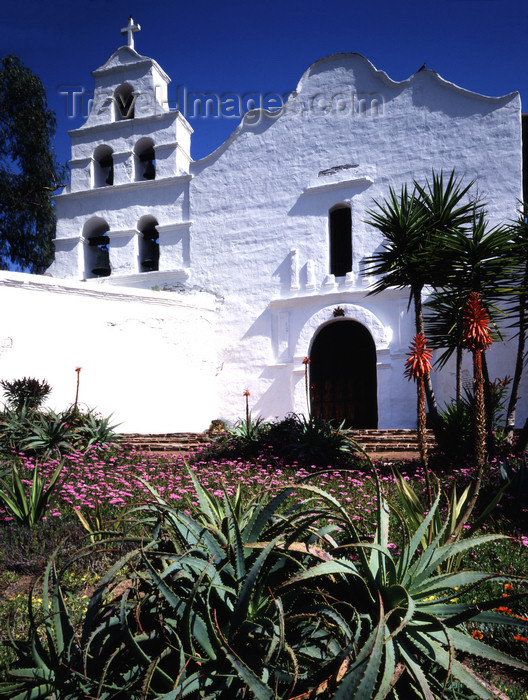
(343, 382)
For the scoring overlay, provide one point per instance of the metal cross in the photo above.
(130, 29)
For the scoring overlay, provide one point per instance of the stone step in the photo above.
(165, 442)
(373, 441)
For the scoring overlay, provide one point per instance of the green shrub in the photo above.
(277, 598)
(308, 441)
(316, 441)
(455, 429)
(456, 420)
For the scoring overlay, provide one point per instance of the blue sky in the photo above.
(242, 47)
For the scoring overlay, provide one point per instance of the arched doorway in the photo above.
(343, 382)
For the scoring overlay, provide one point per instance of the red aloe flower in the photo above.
(417, 365)
(476, 334)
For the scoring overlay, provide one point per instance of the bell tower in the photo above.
(130, 102)
(130, 149)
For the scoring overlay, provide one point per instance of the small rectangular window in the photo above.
(340, 241)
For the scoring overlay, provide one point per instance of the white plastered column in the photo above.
(381, 336)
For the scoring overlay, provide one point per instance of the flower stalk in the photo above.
(418, 367)
(306, 362)
(247, 394)
(78, 370)
(476, 337)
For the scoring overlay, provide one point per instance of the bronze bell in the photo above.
(150, 170)
(107, 163)
(110, 179)
(150, 261)
(102, 263)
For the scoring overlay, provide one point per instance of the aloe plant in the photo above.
(275, 598)
(452, 527)
(415, 625)
(50, 432)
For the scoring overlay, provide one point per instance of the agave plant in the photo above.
(268, 599)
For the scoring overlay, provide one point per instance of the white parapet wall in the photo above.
(147, 356)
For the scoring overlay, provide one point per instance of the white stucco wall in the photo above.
(260, 206)
(249, 224)
(147, 356)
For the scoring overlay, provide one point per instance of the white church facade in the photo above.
(177, 284)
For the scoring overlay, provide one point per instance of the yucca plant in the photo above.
(27, 392)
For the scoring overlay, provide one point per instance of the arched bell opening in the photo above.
(96, 252)
(103, 166)
(148, 244)
(343, 376)
(144, 160)
(124, 102)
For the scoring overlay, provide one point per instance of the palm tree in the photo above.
(414, 226)
(474, 260)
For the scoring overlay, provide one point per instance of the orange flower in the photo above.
(520, 617)
(518, 638)
(503, 609)
(306, 361)
(246, 393)
(508, 587)
(477, 634)
(78, 369)
(417, 365)
(476, 333)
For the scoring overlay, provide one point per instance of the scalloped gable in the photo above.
(125, 57)
(353, 73)
(364, 71)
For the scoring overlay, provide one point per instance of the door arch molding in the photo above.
(377, 330)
